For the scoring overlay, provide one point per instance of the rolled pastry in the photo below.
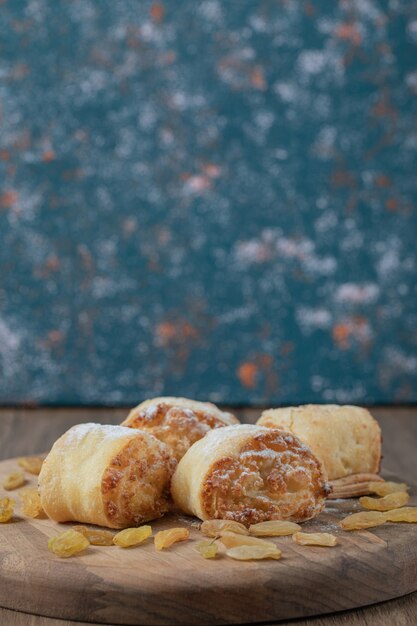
(178, 422)
(249, 474)
(106, 475)
(346, 439)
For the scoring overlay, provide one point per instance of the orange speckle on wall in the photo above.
(341, 334)
(392, 204)
(265, 361)
(129, 226)
(383, 181)
(211, 170)
(52, 263)
(175, 332)
(86, 258)
(349, 32)
(247, 373)
(55, 336)
(4, 155)
(198, 183)
(53, 340)
(48, 155)
(178, 337)
(359, 323)
(257, 78)
(8, 198)
(157, 12)
(166, 332)
(383, 108)
(188, 330)
(354, 328)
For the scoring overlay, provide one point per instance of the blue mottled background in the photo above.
(210, 199)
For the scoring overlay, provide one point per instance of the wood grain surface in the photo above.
(241, 592)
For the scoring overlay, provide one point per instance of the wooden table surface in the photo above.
(31, 431)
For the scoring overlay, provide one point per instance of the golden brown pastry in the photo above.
(249, 474)
(106, 475)
(346, 439)
(178, 422)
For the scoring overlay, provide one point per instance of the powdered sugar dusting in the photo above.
(76, 434)
(223, 192)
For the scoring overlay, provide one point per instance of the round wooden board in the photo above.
(140, 586)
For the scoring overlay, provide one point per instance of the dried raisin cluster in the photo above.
(6, 510)
(68, 543)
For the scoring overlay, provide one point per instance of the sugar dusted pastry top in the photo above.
(178, 422)
(346, 439)
(185, 403)
(106, 475)
(249, 474)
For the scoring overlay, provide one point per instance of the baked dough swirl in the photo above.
(178, 422)
(249, 474)
(106, 475)
(346, 439)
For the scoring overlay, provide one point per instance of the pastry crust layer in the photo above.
(346, 439)
(178, 422)
(249, 474)
(106, 475)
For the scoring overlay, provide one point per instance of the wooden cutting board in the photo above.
(177, 586)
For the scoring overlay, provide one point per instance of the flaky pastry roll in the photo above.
(346, 439)
(178, 422)
(249, 474)
(106, 475)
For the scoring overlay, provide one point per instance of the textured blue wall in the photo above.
(215, 199)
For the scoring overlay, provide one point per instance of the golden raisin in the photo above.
(14, 481)
(405, 514)
(207, 549)
(391, 501)
(32, 464)
(215, 527)
(6, 510)
(132, 536)
(31, 502)
(165, 538)
(250, 553)
(364, 519)
(68, 543)
(274, 528)
(315, 539)
(386, 487)
(96, 537)
(232, 540)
